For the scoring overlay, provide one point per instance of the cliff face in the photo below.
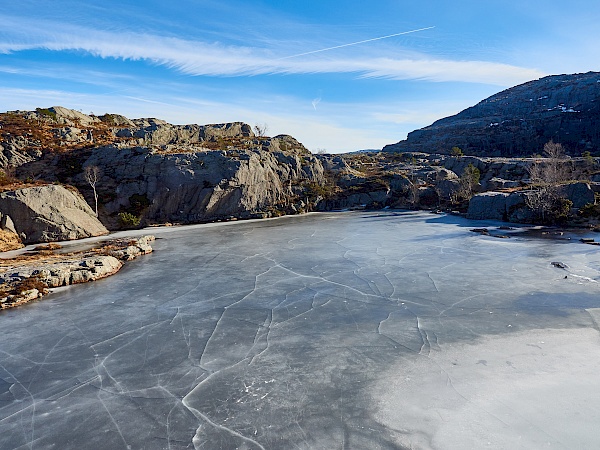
(519, 121)
(203, 185)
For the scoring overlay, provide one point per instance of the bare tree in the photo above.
(467, 183)
(547, 176)
(92, 175)
(412, 191)
(554, 169)
(260, 129)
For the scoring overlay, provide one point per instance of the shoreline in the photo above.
(75, 256)
(32, 275)
(80, 260)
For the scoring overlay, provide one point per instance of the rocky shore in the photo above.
(30, 276)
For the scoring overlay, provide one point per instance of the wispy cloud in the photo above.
(214, 59)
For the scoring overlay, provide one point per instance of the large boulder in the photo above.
(488, 205)
(71, 117)
(513, 207)
(48, 213)
(517, 209)
(446, 188)
(580, 194)
(496, 183)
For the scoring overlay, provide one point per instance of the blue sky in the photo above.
(214, 61)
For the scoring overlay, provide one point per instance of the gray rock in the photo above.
(580, 194)
(72, 117)
(446, 174)
(70, 134)
(445, 188)
(334, 163)
(399, 183)
(488, 205)
(517, 209)
(137, 248)
(358, 200)
(496, 183)
(202, 185)
(65, 273)
(159, 132)
(48, 213)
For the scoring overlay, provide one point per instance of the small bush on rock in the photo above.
(128, 220)
(590, 211)
(456, 151)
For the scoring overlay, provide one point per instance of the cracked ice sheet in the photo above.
(287, 333)
(526, 390)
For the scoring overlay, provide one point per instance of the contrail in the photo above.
(356, 43)
(315, 102)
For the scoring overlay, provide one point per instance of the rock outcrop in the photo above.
(152, 172)
(204, 185)
(519, 121)
(65, 273)
(48, 213)
(134, 249)
(488, 205)
(159, 172)
(513, 206)
(28, 278)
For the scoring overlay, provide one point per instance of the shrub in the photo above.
(46, 112)
(313, 190)
(128, 220)
(590, 211)
(456, 151)
(467, 183)
(561, 210)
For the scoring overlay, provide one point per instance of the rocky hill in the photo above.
(149, 171)
(519, 121)
(136, 172)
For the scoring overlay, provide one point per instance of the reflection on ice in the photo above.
(345, 330)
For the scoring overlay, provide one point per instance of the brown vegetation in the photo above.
(9, 241)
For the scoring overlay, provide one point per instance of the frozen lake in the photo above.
(345, 330)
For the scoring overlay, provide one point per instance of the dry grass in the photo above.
(49, 246)
(9, 241)
(35, 258)
(21, 185)
(41, 130)
(30, 283)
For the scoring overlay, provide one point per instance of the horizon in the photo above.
(339, 77)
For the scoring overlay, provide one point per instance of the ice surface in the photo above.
(345, 330)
